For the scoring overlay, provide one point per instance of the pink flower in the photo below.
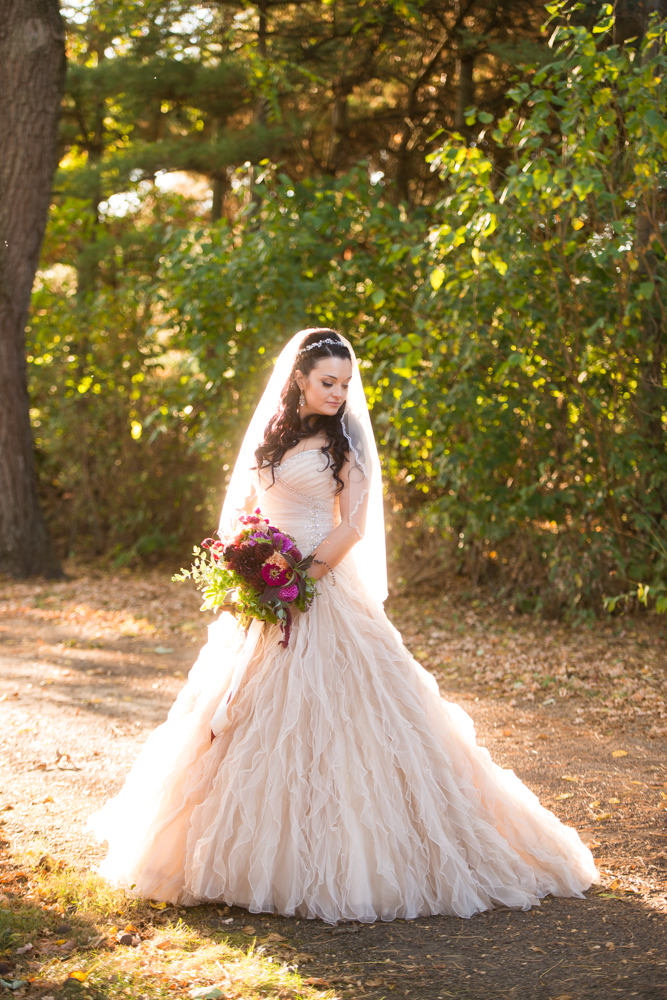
(289, 593)
(275, 571)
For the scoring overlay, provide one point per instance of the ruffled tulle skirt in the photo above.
(344, 786)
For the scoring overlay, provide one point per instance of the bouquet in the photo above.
(258, 571)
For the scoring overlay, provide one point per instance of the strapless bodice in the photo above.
(302, 501)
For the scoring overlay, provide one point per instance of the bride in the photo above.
(338, 783)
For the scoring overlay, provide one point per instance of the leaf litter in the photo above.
(76, 649)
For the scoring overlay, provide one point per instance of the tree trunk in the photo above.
(465, 89)
(219, 190)
(32, 75)
(338, 126)
(631, 18)
(261, 111)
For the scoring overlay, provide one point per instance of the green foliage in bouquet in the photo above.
(219, 589)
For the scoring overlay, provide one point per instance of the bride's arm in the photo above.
(344, 536)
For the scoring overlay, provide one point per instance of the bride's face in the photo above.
(325, 387)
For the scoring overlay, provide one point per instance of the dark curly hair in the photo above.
(285, 429)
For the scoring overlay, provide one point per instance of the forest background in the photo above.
(473, 192)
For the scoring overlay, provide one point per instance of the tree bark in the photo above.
(219, 190)
(631, 19)
(465, 89)
(32, 76)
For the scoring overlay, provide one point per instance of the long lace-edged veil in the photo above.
(366, 507)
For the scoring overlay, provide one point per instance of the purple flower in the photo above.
(283, 542)
(289, 593)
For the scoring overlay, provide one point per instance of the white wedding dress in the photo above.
(344, 786)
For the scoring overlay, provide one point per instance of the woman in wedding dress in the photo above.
(338, 783)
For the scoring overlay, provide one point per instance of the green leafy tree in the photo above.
(539, 397)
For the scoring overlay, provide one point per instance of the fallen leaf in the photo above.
(248, 930)
(24, 950)
(542, 736)
(594, 805)
(619, 753)
(158, 906)
(316, 982)
(206, 993)
(14, 984)
(272, 937)
(78, 976)
(610, 946)
(130, 929)
(602, 816)
(164, 945)
(615, 884)
(567, 777)
(534, 947)
(373, 982)
(564, 795)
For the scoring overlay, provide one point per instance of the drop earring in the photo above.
(302, 399)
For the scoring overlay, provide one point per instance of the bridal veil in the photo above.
(366, 503)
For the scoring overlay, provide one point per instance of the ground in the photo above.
(90, 665)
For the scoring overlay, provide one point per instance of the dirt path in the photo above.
(88, 667)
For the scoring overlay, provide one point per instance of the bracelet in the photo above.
(322, 562)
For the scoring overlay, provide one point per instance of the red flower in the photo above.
(274, 575)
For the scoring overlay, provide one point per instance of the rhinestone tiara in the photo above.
(311, 347)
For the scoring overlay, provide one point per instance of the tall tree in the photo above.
(32, 74)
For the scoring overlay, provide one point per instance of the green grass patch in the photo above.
(74, 921)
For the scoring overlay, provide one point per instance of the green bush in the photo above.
(532, 404)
